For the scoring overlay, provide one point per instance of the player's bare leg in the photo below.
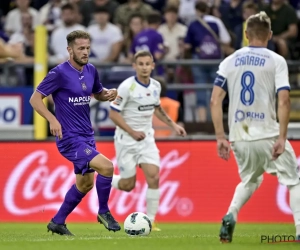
(152, 196)
(242, 194)
(84, 183)
(104, 167)
(124, 184)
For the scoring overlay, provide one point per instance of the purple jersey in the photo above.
(71, 91)
(149, 40)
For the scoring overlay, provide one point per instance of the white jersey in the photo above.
(136, 102)
(252, 76)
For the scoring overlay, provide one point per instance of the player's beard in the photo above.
(79, 61)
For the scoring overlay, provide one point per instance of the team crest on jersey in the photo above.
(83, 85)
(155, 93)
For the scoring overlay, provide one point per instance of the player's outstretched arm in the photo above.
(38, 105)
(106, 95)
(117, 118)
(283, 112)
(283, 117)
(162, 115)
(217, 97)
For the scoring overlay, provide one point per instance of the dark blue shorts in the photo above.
(80, 153)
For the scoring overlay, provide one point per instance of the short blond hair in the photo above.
(259, 26)
(142, 53)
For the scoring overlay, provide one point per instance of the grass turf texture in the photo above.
(173, 236)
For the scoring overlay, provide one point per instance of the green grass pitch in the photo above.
(198, 236)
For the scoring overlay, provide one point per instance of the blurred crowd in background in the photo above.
(170, 29)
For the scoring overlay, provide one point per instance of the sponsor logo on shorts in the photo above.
(146, 107)
(88, 151)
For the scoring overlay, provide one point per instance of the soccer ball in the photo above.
(137, 224)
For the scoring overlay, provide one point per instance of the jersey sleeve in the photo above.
(120, 101)
(50, 83)
(221, 78)
(281, 75)
(97, 87)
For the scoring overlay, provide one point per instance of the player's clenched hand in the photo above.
(278, 148)
(138, 135)
(223, 149)
(179, 130)
(55, 128)
(111, 94)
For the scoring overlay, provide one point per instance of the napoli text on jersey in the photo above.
(71, 90)
(253, 76)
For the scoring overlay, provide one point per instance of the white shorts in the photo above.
(255, 157)
(129, 156)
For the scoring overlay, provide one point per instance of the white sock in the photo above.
(241, 195)
(298, 230)
(295, 205)
(115, 181)
(152, 199)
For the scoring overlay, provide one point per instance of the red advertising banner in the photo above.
(196, 186)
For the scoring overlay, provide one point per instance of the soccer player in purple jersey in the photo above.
(150, 40)
(71, 84)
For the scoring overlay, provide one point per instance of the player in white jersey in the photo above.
(132, 111)
(253, 76)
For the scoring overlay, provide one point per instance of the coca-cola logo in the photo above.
(33, 186)
(40, 181)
